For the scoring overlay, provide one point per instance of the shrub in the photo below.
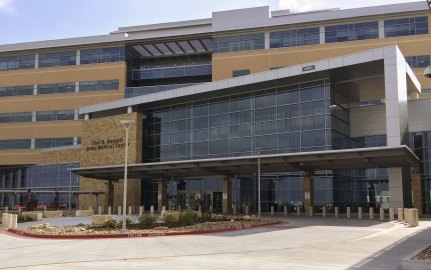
(206, 217)
(110, 223)
(147, 221)
(20, 218)
(170, 220)
(187, 218)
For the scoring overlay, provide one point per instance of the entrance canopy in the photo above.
(373, 157)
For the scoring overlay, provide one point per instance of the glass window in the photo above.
(53, 142)
(243, 42)
(98, 85)
(102, 55)
(242, 72)
(56, 88)
(406, 27)
(53, 59)
(419, 61)
(349, 32)
(16, 91)
(55, 115)
(17, 62)
(292, 38)
(15, 144)
(15, 117)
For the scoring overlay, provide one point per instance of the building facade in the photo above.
(298, 86)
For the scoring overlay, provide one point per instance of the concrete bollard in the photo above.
(130, 210)
(412, 217)
(246, 210)
(19, 210)
(298, 211)
(311, 210)
(200, 209)
(4, 219)
(6, 209)
(109, 210)
(14, 222)
(371, 212)
(400, 215)
(119, 210)
(360, 212)
(163, 208)
(99, 210)
(152, 210)
(141, 210)
(406, 214)
(9, 221)
(323, 211)
(337, 212)
(382, 214)
(416, 216)
(272, 210)
(285, 210)
(349, 212)
(234, 209)
(391, 214)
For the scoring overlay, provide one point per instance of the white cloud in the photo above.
(6, 5)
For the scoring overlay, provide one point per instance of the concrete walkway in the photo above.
(303, 243)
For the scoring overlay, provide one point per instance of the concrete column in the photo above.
(285, 210)
(323, 211)
(109, 210)
(417, 191)
(360, 212)
(381, 29)
(267, 39)
(391, 214)
(36, 60)
(336, 212)
(227, 196)
(349, 212)
(400, 215)
(382, 214)
(78, 57)
(308, 193)
(35, 93)
(322, 35)
(371, 212)
(76, 87)
(161, 195)
(141, 210)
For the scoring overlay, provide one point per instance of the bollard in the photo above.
(109, 210)
(416, 216)
(298, 211)
(310, 209)
(411, 217)
(382, 214)
(6, 209)
(14, 222)
(141, 210)
(9, 221)
(391, 214)
(130, 210)
(152, 210)
(360, 212)
(400, 215)
(406, 214)
(19, 210)
(272, 210)
(337, 211)
(246, 209)
(371, 212)
(323, 211)
(349, 212)
(234, 209)
(3, 219)
(119, 210)
(44, 210)
(285, 210)
(99, 210)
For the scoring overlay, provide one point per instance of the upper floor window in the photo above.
(98, 85)
(419, 61)
(16, 91)
(15, 144)
(297, 37)
(235, 43)
(55, 115)
(15, 117)
(17, 62)
(56, 88)
(349, 32)
(52, 142)
(54, 59)
(242, 72)
(102, 55)
(406, 27)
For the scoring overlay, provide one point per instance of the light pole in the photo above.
(126, 124)
(259, 208)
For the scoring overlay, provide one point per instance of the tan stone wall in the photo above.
(102, 144)
(60, 156)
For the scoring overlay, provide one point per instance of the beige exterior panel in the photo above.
(48, 129)
(19, 157)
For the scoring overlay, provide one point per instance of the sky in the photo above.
(35, 20)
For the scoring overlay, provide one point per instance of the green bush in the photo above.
(170, 221)
(110, 223)
(20, 218)
(187, 218)
(206, 217)
(147, 221)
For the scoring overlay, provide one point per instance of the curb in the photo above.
(130, 235)
(408, 263)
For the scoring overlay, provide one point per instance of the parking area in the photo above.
(297, 243)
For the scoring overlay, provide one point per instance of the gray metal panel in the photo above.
(419, 115)
(367, 121)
